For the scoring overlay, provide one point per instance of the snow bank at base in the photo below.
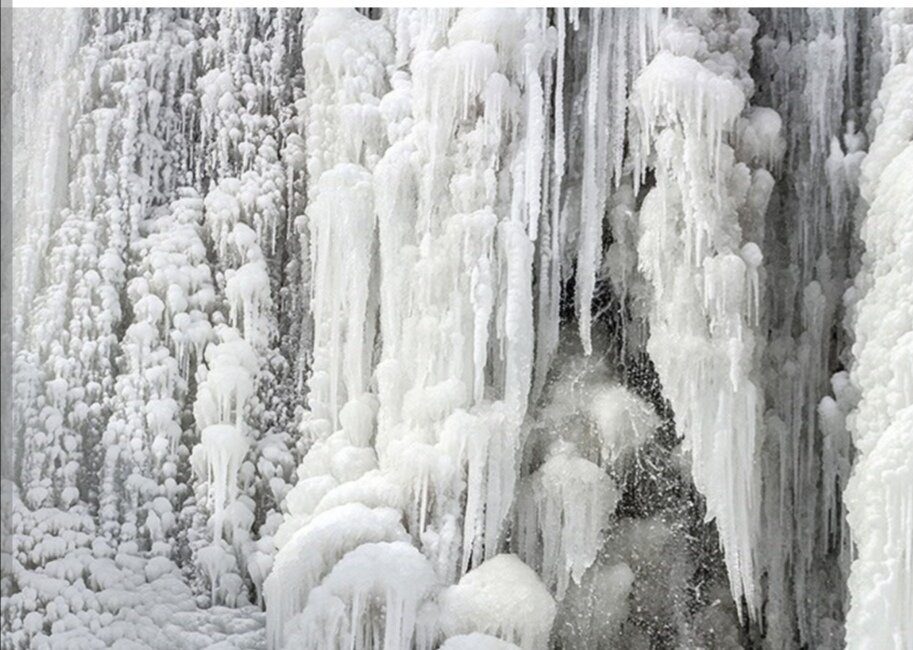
(96, 596)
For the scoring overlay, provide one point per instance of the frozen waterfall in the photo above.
(460, 328)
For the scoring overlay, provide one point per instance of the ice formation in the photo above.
(311, 554)
(376, 595)
(568, 501)
(704, 275)
(879, 497)
(461, 328)
(502, 597)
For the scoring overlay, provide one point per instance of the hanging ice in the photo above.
(568, 501)
(377, 595)
(701, 330)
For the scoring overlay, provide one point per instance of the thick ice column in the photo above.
(342, 237)
(459, 198)
(345, 57)
(879, 496)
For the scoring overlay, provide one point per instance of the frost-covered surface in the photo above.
(462, 328)
(879, 495)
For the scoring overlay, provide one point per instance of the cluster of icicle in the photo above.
(435, 199)
(709, 152)
(806, 60)
(163, 262)
(426, 198)
(410, 213)
(442, 181)
(821, 71)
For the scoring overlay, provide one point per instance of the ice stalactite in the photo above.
(103, 337)
(619, 44)
(804, 56)
(342, 226)
(454, 373)
(225, 396)
(549, 256)
(879, 496)
(589, 436)
(565, 505)
(569, 499)
(703, 273)
(171, 294)
(243, 212)
(344, 55)
(248, 117)
(470, 251)
(118, 154)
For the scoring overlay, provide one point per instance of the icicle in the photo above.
(311, 555)
(590, 216)
(218, 458)
(568, 503)
(342, 227)
(549, 300)
(378, 593)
